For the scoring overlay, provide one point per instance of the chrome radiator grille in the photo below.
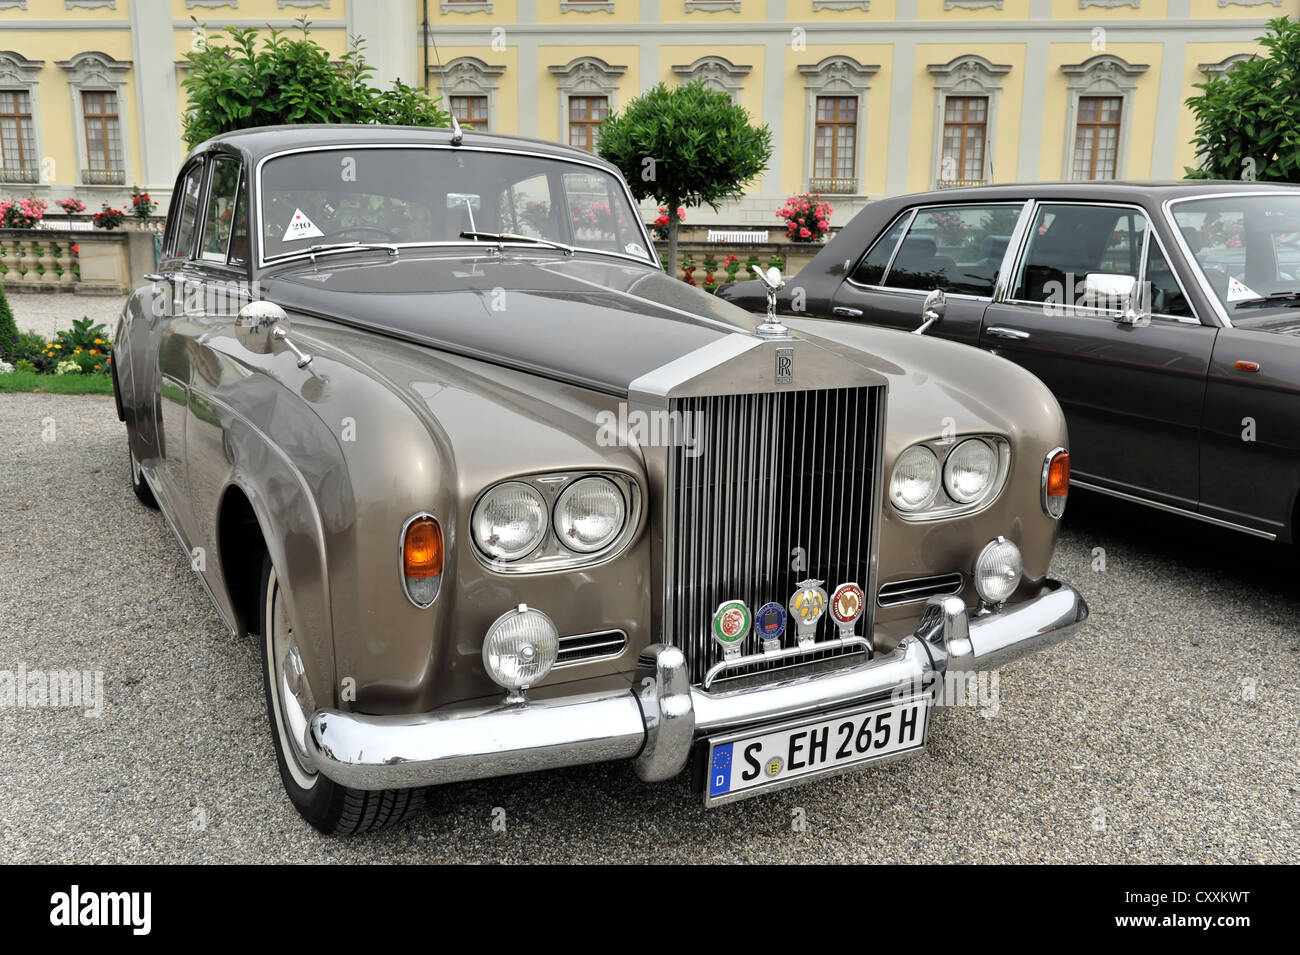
(780, 489)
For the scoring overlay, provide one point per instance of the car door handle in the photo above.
(846, 311)
(997, 331)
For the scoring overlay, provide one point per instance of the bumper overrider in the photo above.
(658, 721)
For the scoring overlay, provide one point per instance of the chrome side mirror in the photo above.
(260, 325)
(936, 303)
(254, 324)
(1113, 292)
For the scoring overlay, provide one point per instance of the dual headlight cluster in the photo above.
(931, 481)
(585, 517)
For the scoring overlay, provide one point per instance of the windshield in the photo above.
(432, 195)
(1248, 247)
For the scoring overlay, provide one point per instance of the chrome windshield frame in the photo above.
(263, 261)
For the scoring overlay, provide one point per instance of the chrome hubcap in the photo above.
(291, 694)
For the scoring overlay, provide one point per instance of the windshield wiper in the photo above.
(1275, 298)
(355, 246)
(511, 237)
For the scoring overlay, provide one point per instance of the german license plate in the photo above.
(747, 762)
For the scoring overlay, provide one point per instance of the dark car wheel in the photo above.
(330, 807)
(138, 483)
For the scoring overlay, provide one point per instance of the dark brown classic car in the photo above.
(1164, 316)
(495, 494)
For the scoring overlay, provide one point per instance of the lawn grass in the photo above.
(57, 384)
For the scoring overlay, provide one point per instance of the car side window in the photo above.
(1066, 242)
(1166, 296)
(954, 248)
(872, 267)
(187, 211)
(220, 217)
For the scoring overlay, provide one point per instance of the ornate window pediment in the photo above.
(1104, 73)
(586, 75)
(1135, 4)
(717, 72)
(1225, 65)
(838, 74)
(467, 76)
(970, 73)
(17, 70)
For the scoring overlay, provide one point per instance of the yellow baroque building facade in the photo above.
(864, 97)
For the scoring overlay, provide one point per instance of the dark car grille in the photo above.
(778, 480)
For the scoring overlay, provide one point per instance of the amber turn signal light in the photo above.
(1056, 482)
(1058, 475)
(422, 555)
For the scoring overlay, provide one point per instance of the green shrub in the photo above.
(8, 329)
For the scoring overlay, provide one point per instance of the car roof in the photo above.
(261, 141)
(1111, 190)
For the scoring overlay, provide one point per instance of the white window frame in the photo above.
(19, 73)
(585, 76)
(836, 75)
(93, 71)
(966, 75)
(718, 73)
(1102, 75)
(470, 76)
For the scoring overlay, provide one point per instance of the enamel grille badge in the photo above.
(731, 623)
(806, 608)
(769, 624)
(846, 608)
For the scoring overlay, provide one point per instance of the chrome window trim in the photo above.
(1167, 207)
(551, 554)
(911, 214)
(401, 558)
(1085, 311)
(264, 262)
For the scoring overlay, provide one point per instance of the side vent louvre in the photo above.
(590, 646)
(917, 589)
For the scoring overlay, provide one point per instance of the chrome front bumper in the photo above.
(656, 723)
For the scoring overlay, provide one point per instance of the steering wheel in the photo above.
(390, 236)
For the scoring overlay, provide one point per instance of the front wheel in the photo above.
(325, 804)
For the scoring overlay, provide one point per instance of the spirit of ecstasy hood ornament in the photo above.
(772, 281)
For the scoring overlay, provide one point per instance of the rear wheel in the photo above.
(138, 483)
(325, 804)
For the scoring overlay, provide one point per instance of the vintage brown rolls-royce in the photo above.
(498, 495)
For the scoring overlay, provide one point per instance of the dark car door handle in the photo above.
(998, 331)
(845, 310)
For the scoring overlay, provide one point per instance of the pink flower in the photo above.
(805, 234)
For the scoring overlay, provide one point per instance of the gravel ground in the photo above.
(1138, 742)
(50, 312)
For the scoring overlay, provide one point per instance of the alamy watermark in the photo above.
(21, 688)
(650, 428)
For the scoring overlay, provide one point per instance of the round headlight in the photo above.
(520, 648)
(969, 470)
(915, 480)
(997, 570)
(509, 521)
(590, 514)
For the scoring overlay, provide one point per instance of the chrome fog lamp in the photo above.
(509, 521)
(519, 650)
(590, 514)
(915, 480)
(969, 470)
(997, 571)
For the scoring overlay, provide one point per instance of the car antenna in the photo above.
(457, 134)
